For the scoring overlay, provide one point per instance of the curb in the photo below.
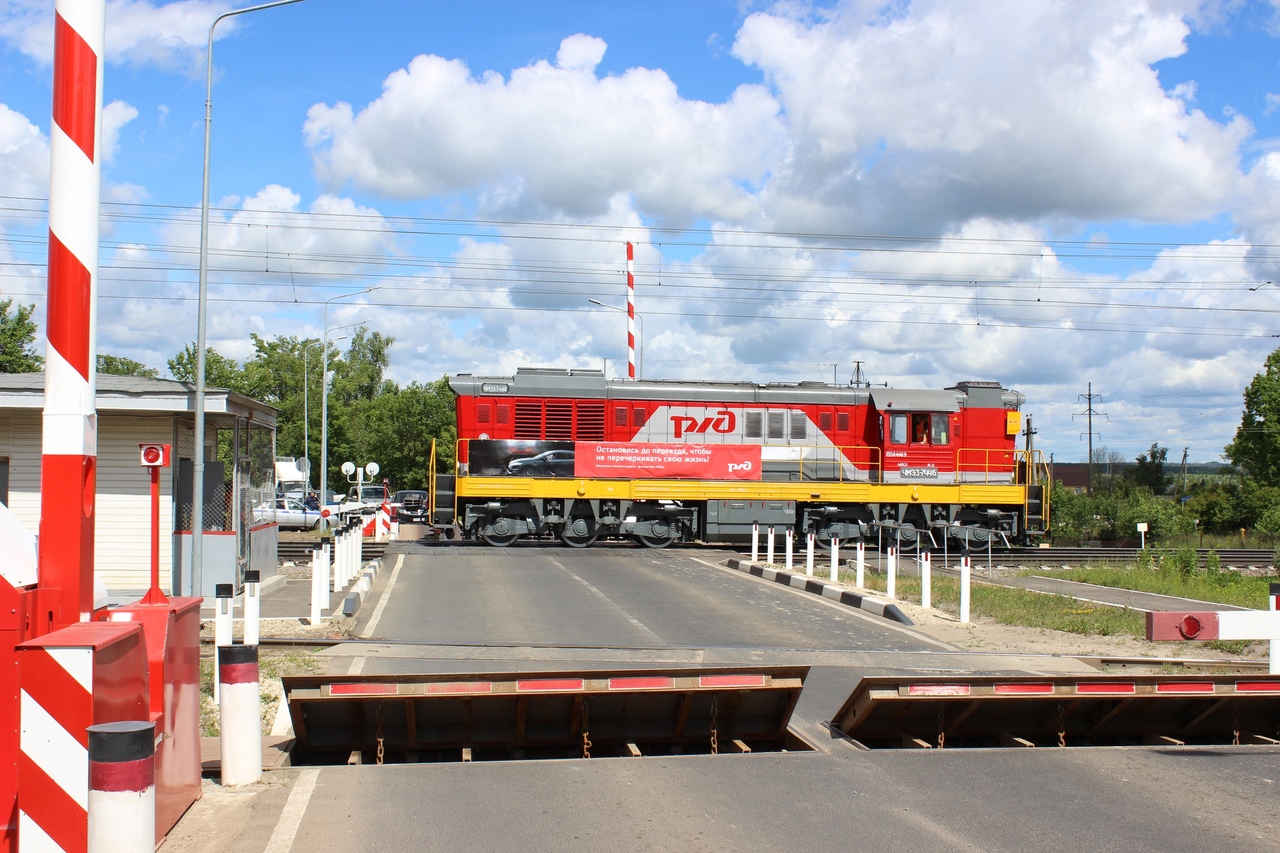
(874, 606)
(351, 603)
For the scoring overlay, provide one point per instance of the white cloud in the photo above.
(24, 156)
(115, 116)
(170, 36)
(552, 139)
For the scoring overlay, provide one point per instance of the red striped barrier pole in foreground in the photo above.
(631, 312)
(69, 450)
(240, 715)
(122, 787)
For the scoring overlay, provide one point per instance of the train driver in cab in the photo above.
(919, 429)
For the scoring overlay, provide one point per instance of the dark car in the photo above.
(552, 463)
(412, 506)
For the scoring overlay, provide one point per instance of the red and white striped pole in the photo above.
(240, 715)
(122, 787)
(70, 451)
(631, 311)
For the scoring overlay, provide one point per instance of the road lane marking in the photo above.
(291, 817)
(382, 602)
(639, 626)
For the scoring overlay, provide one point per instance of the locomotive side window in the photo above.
(777, 425)
(752, 426)
(919, 429)
(799, 426)
(897, 429)
(941, 427)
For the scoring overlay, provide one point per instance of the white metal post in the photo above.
(790, 546)
(966, 575)
(222, 626)
(319, 586)
(926, 579)
(860, 578)
(252, 607)
(891, 579)
(769, 547)
(835, 558)
(1273, 604)
(755, 541)
(808, 561)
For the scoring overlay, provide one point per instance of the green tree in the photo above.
(1256, 446)
(402, 424)
(18, 353)
(1150, 469)
(118, 365)
(219, 370)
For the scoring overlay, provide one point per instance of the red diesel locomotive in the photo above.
(569, 453)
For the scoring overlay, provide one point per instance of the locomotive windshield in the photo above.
(920, 427)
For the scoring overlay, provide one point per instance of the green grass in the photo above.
(1010, 606)
(1223, 587)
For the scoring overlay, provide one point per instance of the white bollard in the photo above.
(861, 565)
(755, 541)
(319, 585)
(357, 551)
(790, 541)
(224, 598)
(122, 787)
(1273, 604)
(891, 579)
(252, 607)
(926, 578)
(808, 562)
(769, 547)
(966, 574)
(240, 716)
(335, 554)
(835, 558)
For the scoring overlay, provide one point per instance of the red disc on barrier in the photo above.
(1190, 627)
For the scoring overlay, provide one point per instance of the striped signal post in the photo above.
(631, 311)
(122, 787)
(70, 452)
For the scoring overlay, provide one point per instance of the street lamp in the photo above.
(640, 318)
(324, 389)
(197, 467)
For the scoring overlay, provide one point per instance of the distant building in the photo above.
(1072, 475)
(239, 475)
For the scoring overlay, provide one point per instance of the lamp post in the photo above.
(324, 389)
(306, 408)
(197, 466)
(640, 319)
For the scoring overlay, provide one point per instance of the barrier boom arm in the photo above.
(1222, 625)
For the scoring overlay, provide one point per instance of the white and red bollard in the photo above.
(122, 787)
(223, 623)
(240, 715)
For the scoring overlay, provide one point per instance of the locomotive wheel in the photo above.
(499, 533)
(579, 532)
(663, 535)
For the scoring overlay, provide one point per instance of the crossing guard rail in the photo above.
(461, 717)
(941, 712)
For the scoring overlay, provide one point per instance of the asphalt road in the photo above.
(469, 609)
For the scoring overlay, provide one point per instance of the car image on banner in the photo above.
(614, 460)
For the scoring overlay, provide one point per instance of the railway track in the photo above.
(300, 552)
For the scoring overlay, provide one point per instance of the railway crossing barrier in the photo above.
(890, 712)
(492, 716)
(1222, 625)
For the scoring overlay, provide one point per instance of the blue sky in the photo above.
(1039, 193)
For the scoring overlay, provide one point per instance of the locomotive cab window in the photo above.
(940, 429)
(897, 429)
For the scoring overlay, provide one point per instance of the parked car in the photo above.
(290, 514)
(411, 506)
(552, 463)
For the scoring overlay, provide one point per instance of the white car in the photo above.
(290, 514)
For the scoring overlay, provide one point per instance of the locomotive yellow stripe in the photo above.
(701, 490)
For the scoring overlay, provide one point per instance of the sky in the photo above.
(1070, 198)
